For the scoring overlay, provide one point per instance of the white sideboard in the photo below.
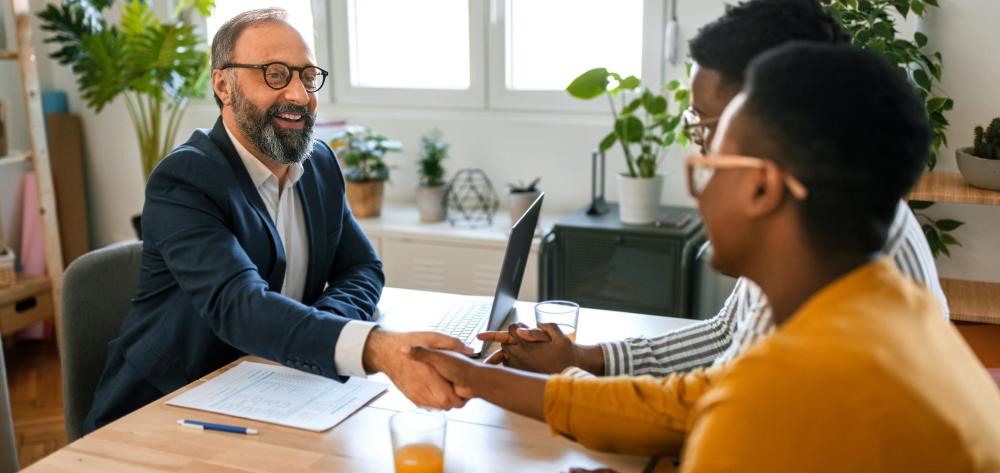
(442, 257)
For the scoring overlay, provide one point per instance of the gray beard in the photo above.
(283, 146)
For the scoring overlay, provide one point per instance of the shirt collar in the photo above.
(259, 173)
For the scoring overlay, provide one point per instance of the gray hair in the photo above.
(225, 39)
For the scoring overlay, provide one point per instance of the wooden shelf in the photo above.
(973, 301)
(8, 54)
(16, 157)
(951, 188)
(28, 301)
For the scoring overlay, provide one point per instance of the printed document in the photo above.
(280, 395)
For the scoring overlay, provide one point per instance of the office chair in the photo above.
(8, 444)
(97, 290)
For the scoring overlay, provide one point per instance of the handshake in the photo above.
(433, 370)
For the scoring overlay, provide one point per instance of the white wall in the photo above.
(517, 145)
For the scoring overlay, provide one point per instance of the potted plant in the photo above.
(431, 190)
(362, 152)
(156, 66)
(980, 163)
(644, 127)
(520, 196)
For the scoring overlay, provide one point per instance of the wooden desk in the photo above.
(481, 437)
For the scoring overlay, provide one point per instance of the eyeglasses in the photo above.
(696, 127)
(700, 170)
(277, 75)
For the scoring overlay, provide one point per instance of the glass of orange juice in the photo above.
(564, 314)
(418, 441)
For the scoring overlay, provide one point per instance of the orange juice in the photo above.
(569, 331)
(419, 458)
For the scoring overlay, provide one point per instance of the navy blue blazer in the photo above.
(212, 268)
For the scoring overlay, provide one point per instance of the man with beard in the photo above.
(249, 246)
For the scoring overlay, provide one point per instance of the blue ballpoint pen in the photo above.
(195, 424)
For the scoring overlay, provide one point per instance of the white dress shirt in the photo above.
(285, 210)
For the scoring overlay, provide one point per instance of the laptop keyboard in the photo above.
(464, 318)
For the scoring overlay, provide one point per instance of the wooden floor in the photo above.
(35, 397)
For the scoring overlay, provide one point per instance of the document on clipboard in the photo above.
(280, 395)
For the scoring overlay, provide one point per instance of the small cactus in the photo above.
(987, 142)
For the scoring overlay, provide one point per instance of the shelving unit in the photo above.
(970, 301)
(33, 298)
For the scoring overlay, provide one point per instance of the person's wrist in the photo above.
(590, 358)
(373, 354)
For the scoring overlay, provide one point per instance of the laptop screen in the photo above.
(514, 261)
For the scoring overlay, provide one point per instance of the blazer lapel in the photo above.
(276, 277)
(308, 190)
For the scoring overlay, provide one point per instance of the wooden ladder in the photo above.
(39, 158)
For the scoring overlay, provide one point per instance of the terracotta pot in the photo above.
(519, 203)
(431, 204)
(365, 198)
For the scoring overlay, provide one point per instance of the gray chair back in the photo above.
(8, 444)
(97, 290)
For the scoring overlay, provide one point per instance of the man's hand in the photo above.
(389, 352)
(456, 369)
(542, 350)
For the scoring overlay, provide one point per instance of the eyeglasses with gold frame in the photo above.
(700, 170)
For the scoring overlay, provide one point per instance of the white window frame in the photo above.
(344, 92)
(503, 98)
(321, 22)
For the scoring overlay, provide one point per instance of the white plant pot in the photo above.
(979, 172)
(430, 203)
(639, 198)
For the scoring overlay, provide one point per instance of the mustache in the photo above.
(310, 118)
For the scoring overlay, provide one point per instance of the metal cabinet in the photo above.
(599, 262)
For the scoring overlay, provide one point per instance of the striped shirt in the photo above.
(746, 315)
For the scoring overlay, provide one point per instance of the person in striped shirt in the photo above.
(721, 52)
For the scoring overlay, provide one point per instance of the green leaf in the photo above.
(632, 106)
(673, 85)
(629, 129)
(590, 84)
(608, 141)
(920, 38)
(920, 204)
(937, 103)
(920, 77)
(917, 7)
(630, 83)
(947, 239)
(681, 95)
(947, 225)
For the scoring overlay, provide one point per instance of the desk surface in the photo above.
(481, 437)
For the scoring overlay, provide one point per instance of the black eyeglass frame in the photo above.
(264, 67)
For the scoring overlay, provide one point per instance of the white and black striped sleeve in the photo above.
(683, 349)
(908, 248)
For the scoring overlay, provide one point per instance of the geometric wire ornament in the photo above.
(471, 199)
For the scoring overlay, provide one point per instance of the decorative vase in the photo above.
(518, 202)
(365, 198)
(639, 198)
(431, 204)
(978, 172)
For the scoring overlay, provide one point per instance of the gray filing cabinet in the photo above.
(599, 262)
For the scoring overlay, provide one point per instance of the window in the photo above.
(300, 15)
(537, 47)
(421, 45)
(544, 53)
(406, 52)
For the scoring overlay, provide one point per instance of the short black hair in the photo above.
(849, 125)
(748, 29)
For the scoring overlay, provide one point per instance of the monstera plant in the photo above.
(155, 65)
